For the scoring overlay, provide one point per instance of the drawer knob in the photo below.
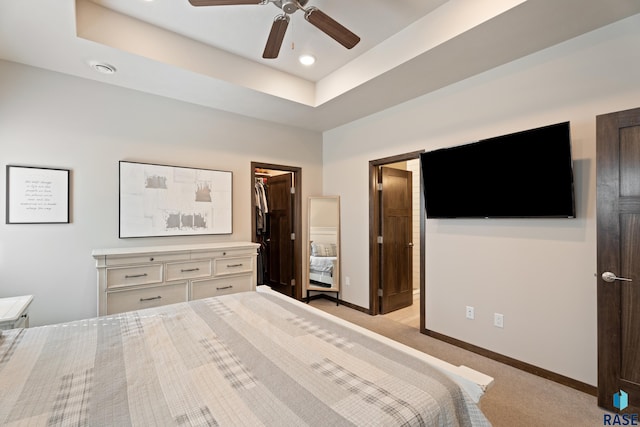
(150, 299)
(187, 270)
(225, 287)
(133, 276)
(234, 265)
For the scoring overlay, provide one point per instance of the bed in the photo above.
(251, 358)
(323, 256)
(321, 270)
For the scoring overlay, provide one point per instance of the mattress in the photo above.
(253, 358)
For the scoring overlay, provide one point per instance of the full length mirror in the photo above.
(324, 244)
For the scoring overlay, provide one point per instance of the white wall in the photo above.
(52, 120)
(539, 273)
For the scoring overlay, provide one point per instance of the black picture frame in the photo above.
(37, 195)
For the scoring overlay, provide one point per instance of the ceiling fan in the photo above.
(312, 14)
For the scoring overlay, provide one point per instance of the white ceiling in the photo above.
(243, 30)
(211, 56)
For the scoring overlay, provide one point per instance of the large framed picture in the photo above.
(160, 200)
(37, 195)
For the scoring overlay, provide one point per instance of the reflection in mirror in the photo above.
(324, 244)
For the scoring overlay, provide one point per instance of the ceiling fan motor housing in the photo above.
(290, 6)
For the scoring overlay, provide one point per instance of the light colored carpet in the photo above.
(516, 399)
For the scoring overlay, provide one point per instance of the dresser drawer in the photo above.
(129, 276)
(233, 265)
(188, 270)
(136, 299)
(216, 287)
(232, 253)
(114, 260)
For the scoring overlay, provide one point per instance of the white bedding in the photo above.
(322, 263)
(251, 358)
(473, 382)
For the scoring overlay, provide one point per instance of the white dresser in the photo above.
(142, 277)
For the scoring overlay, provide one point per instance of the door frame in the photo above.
(374, 226)
(297, 217)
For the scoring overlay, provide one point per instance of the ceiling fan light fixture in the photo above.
(289, 6)
(307, 59)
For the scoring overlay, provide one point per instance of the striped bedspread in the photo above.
(245, 359)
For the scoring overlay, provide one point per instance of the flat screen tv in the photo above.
(526, 174)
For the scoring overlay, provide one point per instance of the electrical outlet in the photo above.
(498, 320)
(470, 313)
(347, 280)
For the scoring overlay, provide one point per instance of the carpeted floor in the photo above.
(516, 399)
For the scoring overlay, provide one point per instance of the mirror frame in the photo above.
(335, 286)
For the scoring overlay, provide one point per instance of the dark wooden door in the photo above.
(280, 244)
(618, 217)
(397, 248)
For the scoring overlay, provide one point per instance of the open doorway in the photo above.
(396, 239)
(276, 203)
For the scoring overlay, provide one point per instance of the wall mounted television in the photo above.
(527, 174)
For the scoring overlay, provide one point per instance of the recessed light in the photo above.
(307, 59)
(102, 67)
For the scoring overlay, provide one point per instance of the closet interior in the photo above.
(274, 228)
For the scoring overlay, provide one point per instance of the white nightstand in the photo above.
(14, 312)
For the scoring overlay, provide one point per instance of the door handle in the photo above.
(609, 277)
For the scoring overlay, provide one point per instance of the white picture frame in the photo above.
(161, 200)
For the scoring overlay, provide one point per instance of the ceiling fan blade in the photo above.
(276, 36)
(331, 27)
(222, 2)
